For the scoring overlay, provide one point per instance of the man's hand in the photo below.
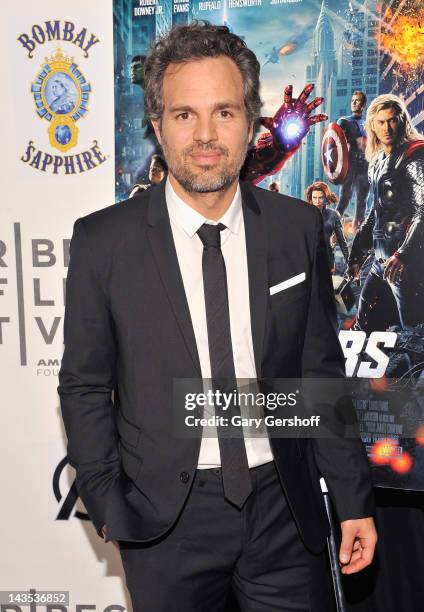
(393, 269)
(359, 538)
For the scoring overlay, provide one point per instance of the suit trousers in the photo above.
(214, 546)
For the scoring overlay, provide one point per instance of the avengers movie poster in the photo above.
(342, 128)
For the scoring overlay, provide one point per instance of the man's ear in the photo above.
(156, 126)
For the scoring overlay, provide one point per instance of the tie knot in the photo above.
(210, 234)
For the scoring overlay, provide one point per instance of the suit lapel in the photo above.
(162, 244)
(256, 247)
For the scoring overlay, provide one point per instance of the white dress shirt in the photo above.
(185, 222)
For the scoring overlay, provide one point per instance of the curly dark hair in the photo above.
(196, 41)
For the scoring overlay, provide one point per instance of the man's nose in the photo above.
(205, 130)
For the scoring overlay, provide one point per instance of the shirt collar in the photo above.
(188, 219)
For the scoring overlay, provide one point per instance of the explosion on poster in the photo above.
(323, 63)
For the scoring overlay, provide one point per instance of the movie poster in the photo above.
(322, 66)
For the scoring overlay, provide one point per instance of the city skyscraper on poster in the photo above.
(323, 64)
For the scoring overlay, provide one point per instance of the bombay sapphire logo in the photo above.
(61, 94)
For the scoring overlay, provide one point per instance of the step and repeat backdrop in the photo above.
(75, 140)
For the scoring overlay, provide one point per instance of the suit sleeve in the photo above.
(341, 460)
(87, 379)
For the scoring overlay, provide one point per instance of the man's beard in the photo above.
(207, 179)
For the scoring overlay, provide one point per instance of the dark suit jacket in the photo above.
(128, 328)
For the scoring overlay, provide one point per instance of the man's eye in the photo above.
(184, 115)
(225, 113)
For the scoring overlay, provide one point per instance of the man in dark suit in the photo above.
(204, 277)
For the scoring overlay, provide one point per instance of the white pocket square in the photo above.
(289, 282)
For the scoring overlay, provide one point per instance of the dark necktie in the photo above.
(235, 468)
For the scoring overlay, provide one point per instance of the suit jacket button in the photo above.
(184, 477)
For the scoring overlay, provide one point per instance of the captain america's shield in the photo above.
(335, 154)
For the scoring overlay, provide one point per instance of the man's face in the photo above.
(136, 70)
(386, 126)
(204, 131)
(156, 174)
(318, 198)
(357, 103)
